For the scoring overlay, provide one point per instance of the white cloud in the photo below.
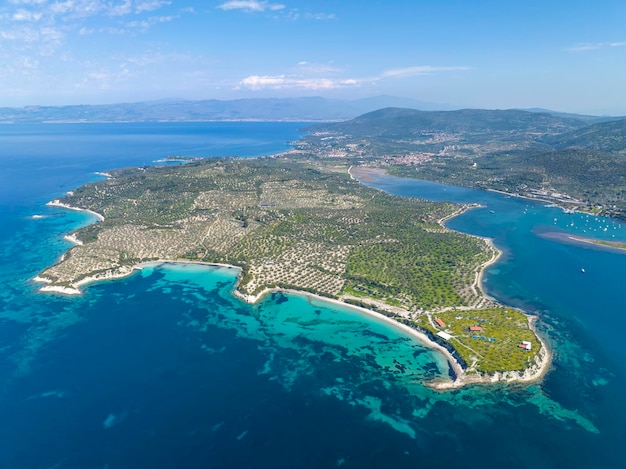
(150, 5)
(250, 5)
(61, 8)
(418, 70)
(121, 9)
(42, 40)
(587, 46)
(257, 82)
(144, 25)
(28, 63)
(27, 2)
(25, 15)
(276, 82)
(73, 10)
(309, 68)
(69, 17)
(320, 16)
(280, 82)
(51, 40)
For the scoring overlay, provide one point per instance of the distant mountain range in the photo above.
(584, 117)
(176, 110)
(306, 109)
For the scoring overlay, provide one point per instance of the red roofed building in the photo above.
(440, 323)
(476, 329)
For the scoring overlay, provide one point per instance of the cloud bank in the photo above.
(278, 82)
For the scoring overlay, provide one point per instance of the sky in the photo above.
(562, 55)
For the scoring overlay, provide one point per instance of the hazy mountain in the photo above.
(400, 122)
(177, 110)
(585, 117)
(384, 101)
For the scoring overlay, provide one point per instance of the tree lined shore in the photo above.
(290, 225)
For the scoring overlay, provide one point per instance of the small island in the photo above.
(296, 226)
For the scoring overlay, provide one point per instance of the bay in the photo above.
(167, 369)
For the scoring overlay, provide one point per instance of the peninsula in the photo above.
(291, 225)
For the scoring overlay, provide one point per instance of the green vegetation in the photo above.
(286, 224)
(605, 137)
(289, 224)
(581, 178)
(411, 266)
(495, 348)
(559, 158)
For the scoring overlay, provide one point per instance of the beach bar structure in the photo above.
(444, 335)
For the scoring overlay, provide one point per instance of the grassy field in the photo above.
(495, 348)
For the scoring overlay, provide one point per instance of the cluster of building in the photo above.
(524, 344)
(412, 158)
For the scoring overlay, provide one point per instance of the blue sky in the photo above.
(562, 55)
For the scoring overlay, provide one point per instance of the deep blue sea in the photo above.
(166, 369)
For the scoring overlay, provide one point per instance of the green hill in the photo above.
(407, 122)
(607, 137)
(556, 157)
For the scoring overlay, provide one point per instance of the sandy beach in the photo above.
(461, 378)
(362, 173)
(73, 239)
(58, 203)
(59, 289)
(118, 273)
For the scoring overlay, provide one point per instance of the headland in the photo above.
(287, 226)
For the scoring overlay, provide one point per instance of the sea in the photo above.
(167, 369)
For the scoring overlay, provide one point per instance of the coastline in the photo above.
(556, 203)
(497, 253)
(58, 203)
(461, 377)
(542, 359)
(365, 173)
(420, 336)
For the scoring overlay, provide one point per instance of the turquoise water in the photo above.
(167, 369)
